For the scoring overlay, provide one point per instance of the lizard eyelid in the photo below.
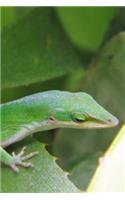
(79, 117)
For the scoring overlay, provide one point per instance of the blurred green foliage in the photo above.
(65, 48)
(86, 26)
(30, 54)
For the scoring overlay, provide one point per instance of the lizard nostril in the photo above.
(109, 120)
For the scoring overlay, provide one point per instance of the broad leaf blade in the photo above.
(45, 176)
(36, 49)
(11, 14)
(109, 176)
(86, 26)
(82, 171)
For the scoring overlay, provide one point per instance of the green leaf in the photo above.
(109, 176)
(86, 26)
(7, 16)
(10, 15)
(83, 169)
(36, 49)
(45, 176)
(117, 24)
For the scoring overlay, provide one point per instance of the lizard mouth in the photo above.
(91, 124)
(95, 123)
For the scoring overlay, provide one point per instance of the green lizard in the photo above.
(45, 111)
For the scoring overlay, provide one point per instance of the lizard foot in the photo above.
(20, 158)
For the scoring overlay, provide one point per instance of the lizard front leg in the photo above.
(14, 160)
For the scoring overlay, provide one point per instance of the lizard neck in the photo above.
(28, 129)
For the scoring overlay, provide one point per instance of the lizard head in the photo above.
(80, 110)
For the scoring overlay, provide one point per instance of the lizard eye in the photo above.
(78, 117)
(78, 120)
